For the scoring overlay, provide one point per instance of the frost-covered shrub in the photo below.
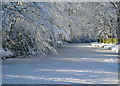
(19, 41)
(4, 53)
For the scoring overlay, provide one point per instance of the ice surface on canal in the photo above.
(75, 63)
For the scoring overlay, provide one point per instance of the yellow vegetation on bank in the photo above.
(109, 40)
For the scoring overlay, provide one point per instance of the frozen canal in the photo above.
(75, 63)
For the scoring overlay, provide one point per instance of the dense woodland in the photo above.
(30, 28)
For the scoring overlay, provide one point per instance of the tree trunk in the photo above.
(118, 30)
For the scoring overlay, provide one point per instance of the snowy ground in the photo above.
(75, 63)
(112, 47)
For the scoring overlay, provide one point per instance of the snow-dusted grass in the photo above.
(4, 53)
(95, 44)
(112, 47)
(116, 48)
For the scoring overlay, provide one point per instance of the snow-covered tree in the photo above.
(41, 27)
(117, 7)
